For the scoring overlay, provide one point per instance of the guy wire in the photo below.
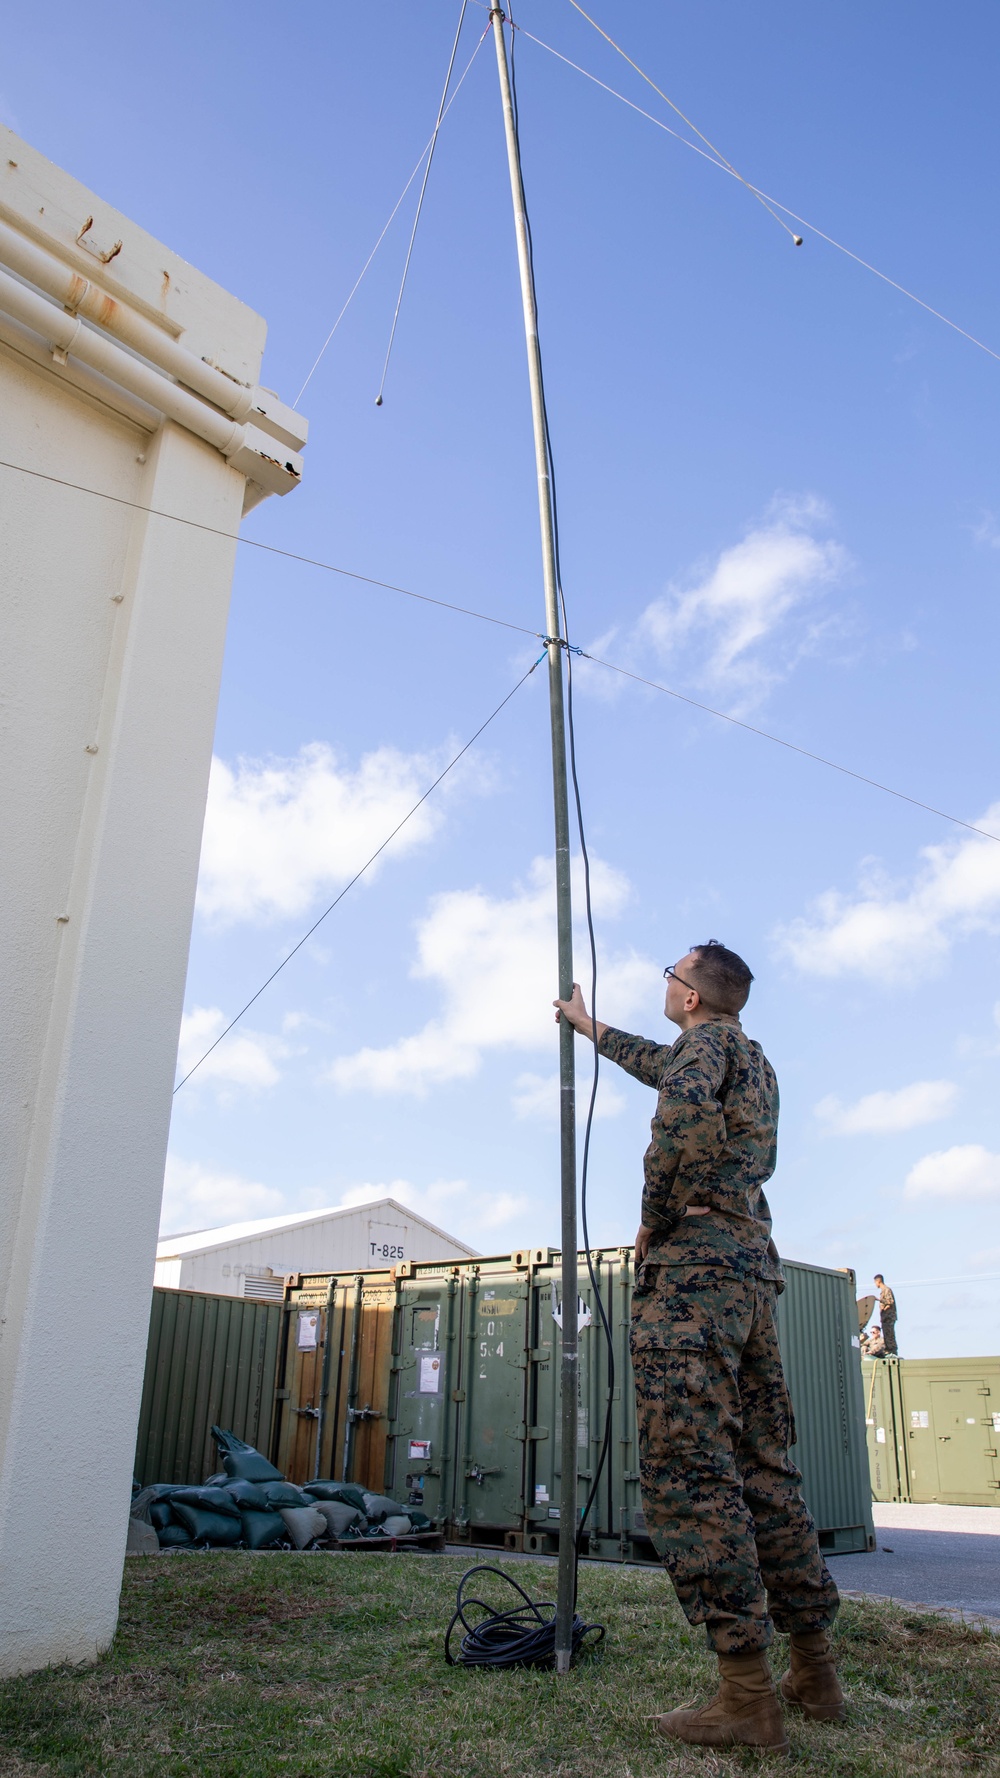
(761, 199)
(723, 166)
(428, 146)
(503, 623)
(452, 763)
(423, 191)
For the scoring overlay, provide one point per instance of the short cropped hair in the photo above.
(725, 976)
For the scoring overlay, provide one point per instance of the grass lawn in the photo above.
(331, 1666)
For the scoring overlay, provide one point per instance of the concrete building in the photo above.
(254, 1258)
(133, 436)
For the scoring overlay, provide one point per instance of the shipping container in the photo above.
(439, 1384)
(933, 1429)
(209, 1360)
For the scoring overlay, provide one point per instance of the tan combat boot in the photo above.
(811, 1681)
(745, 1709)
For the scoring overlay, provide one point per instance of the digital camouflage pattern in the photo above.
(714, 1143)
(721, 1495)
(887, 1317)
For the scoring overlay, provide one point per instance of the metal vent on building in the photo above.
(264, 1290)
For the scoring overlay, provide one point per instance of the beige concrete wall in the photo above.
(113, 626)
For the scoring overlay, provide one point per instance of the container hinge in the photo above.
(540, 1355)
(630, 1475)
(458, 1395)
(538, 1432)
(282, 1394)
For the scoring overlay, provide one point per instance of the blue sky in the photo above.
(778, 495)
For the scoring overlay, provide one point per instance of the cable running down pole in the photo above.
(568, 1509)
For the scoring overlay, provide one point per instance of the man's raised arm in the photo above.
(637, 1055)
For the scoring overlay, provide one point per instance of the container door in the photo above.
(921, 1447)
(544, 1431)
(489, 1480)
(961, 1436)
(420, 1454)
(883, 1454)
(300, 1386)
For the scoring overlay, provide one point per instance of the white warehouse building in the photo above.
(252, 1259)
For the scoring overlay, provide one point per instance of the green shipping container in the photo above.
(934, 1429)
(209, 1360)
(443, 1388)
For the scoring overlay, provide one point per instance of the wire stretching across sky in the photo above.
(423, 191)
(452, 763)
(427, 150)
(504, 624)
(717, 160)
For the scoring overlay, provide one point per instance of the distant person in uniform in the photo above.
(887, 1314)
(875, 1347)
(721, 1494)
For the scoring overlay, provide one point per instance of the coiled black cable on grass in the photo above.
(522, 1637)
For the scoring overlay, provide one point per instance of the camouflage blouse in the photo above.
(714, 1143)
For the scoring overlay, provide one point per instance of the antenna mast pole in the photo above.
(568, 1510)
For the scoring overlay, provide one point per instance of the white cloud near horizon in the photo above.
(741, 602)
(885, 1113)
(445, 1198)
(244, 1059)
(205, 1197)
(895, 932)
(491, 958)
(280, 832)
(968, 1171)
(197, 1197)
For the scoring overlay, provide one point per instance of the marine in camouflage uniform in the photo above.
(721, 1494)
(887, 1315)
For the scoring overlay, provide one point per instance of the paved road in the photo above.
(930, 1555)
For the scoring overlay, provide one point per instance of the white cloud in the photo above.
(280, 832)
(492, 960)
(987, 531)
(894, 932)
(244, 1059)
(453, 1204)
(197, 1197)
(743, 599)
(967, 1171)
(537, 1095)
(923, 1102)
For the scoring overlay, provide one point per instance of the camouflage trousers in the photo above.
(721, 1495)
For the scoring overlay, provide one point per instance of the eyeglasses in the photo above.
(670, 975)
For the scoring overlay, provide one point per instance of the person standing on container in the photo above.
(721, 1494)
(887, 1315)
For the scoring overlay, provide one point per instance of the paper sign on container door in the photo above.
(430, 1372)
(307, 1331)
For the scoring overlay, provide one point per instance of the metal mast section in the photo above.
(568, 1510)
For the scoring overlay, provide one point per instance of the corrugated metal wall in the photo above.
(209, 1359)
(818, 1331)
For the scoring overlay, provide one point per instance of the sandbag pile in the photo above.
(250, 1505)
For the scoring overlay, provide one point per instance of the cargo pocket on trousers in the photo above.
(670, 1385)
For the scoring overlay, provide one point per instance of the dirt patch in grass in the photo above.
(320, 1666)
